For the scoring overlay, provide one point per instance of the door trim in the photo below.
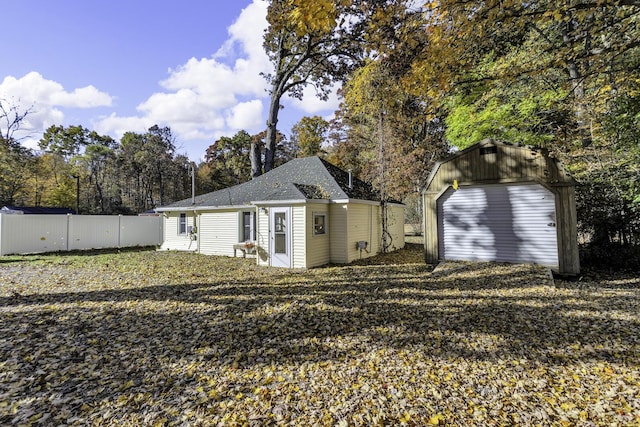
(279, 258)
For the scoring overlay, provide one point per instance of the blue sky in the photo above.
(115, 66)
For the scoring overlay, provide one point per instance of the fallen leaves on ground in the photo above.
(156, 338)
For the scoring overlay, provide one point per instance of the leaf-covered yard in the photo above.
(156, 338)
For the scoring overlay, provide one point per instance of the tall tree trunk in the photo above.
(256, 158)
(272, 131)
(161, 188)
(577, 87)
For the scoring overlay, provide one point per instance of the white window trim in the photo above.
(252, 225)
(186, 222)
(326, 225)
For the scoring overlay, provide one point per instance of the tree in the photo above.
(11, 120)
(528, 109)
(593, 43)
(387, 134)
(559, 74)
(98, 153)
(49, 191)
(309, 43)
(309, 134)
(284, 151)
(228, 160)
(16, 162)
(16, 167)
(150, 169)
(64, 141)
(75, 150)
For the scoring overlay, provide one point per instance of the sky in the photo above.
(125, 65)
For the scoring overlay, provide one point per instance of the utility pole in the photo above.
(77, 178)
(383, 197)
(192, 166)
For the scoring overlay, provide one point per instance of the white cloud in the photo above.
(45, 100)
(208, 97)
(86, 97)
(246, 115)
(200, 100)
(34, 89)
(248, 31)
(311, 104)
(112, 124)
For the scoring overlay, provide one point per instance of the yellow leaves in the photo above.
(469, 344)
(405, 418)
(437, 419)
(312, 17)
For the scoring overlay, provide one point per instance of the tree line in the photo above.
(78, 168)
(420, 79)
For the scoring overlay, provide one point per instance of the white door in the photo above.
(280, 235)
(506, 223)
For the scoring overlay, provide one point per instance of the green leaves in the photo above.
(159, 338)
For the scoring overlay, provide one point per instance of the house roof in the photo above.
(38, 210)
(309, 178)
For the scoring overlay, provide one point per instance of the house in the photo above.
(497, 201)
(303, 214)
(36, 210)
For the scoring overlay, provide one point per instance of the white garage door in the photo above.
(506, 223)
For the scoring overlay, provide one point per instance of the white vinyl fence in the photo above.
(24, 234)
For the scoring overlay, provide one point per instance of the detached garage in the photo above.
(500, 202)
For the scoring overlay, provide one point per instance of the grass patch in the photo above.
(162, 338)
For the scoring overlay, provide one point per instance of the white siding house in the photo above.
(303, 214)
(175, 226)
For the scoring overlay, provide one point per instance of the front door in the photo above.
(280, 235)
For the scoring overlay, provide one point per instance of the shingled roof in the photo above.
(308, 178)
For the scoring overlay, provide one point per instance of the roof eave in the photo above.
(203, 208)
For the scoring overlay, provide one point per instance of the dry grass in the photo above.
(147, 338)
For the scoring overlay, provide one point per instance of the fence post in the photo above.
(119, 230)
(68, 231)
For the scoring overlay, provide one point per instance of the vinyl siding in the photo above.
(172, 240)
(362, 223)
(339, 232)
(395, 226)
(218, 232)
(318, 250)
(263, 238)
(376, 230)
(298, 237)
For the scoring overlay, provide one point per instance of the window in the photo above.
(182, 224)
(248, 226)
(319, 224)
(491, 149)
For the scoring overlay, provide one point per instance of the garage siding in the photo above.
(506, 223)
